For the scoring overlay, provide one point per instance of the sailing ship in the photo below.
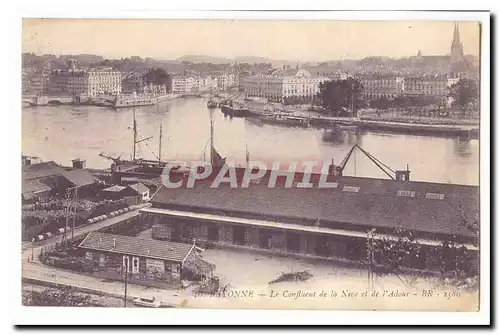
(140, 165)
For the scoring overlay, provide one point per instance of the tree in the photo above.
(464, 94)
(156, 76)
(454, 261)
(66, 297)
(380, 103)
(395, 253)
(337, 95)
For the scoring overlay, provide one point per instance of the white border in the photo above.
(177, 316)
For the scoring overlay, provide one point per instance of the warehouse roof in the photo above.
(420, 206)
(40, 170)
(34, 186)
(115, 188)
(80, 177)
(134, 246)
(139, 188)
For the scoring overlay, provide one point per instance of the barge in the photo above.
(234, 110)
(286, 120)
(134, 101)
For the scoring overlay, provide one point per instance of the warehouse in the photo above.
(317, 222)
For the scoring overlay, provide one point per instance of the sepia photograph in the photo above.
(263, 164)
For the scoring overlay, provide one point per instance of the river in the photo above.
(62, 133)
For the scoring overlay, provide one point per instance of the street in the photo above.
(247, 274)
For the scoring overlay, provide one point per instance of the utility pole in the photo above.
(369, 256)
(126, 281)
(75, 203)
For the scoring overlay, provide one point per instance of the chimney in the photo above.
(79, 163)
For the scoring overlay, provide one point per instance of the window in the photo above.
(353, 189)
(434, 196)
(402, 193)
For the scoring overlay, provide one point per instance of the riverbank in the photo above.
(427, 126)
(437, 128)
(461, 131)
(99, 101)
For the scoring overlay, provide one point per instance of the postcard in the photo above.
(253, 163)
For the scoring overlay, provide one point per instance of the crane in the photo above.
(393, 174)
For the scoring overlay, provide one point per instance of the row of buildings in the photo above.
(390, 87)
(76, 82)
(282, 84)
(195, 84)
(299, 83)
(107, 81)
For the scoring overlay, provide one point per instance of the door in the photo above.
(213, 233)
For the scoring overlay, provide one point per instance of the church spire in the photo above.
(457, 51)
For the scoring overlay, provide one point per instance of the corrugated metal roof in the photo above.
(126, 245)
(376, 204)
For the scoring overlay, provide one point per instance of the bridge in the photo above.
(47, 100)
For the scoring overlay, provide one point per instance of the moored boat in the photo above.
(234, 111)
(134, 101)
(286, 119)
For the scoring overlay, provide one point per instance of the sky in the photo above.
(273, 39)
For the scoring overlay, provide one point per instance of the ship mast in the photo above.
(211, 138)
(247, 154)
(135, 136)
(159, 145)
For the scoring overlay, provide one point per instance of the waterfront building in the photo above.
(329, 222)
(153, 90)
(35, 83)
(381, 86)
(104, 81)
(88, 82)
(435, 86)
(207, 83)
(193, 84)
(283, 84)
(224, 80)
